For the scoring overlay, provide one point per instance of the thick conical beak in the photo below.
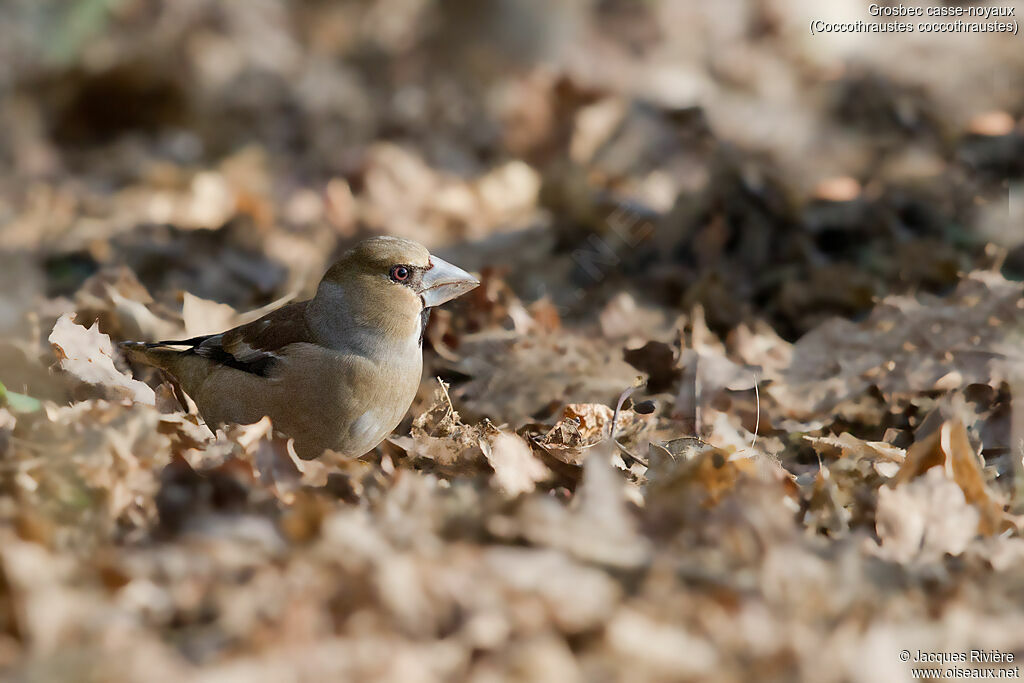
(443, 282)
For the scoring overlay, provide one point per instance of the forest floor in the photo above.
(735, 400)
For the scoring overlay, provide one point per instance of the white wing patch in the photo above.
(246, 353)
(366, 427)
(241, 351)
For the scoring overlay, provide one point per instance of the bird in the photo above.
(338, 371)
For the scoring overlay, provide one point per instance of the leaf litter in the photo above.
(820, 465)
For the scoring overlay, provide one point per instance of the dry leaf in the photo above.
(925, 518)
(592, 419)
(949, 449)
(206, 317)
(516, 469)
(583, 425)
(518, 139)
(87, 354)
(667, 650)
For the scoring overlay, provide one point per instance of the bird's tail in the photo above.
(179, 363)
(158, 354)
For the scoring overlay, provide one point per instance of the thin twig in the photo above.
(632, 456)
(757, 400)
(447, 398)
(618, 407)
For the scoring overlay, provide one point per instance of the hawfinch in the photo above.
(336, 372)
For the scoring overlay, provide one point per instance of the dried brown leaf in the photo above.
(949, 449)
(925, 518)
(88, 354)
(516, 469)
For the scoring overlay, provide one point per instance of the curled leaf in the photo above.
(87, 354)
(516, 469)
(949, 448)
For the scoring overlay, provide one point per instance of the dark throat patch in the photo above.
(424, 318)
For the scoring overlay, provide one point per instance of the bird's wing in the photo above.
(255, 346)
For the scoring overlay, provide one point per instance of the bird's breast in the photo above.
(383, 400)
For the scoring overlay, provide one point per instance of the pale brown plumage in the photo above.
(336, 372)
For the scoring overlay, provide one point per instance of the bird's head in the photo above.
(387, 282)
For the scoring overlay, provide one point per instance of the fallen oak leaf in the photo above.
(202, 316)
(273, 458)
(130, 318)
(847, 445)
(925, 518)
(598, 526)
(709, 471)
(87, 354)
(884, 457)
(583, 425)
(516, 469)
(591, 419)
(949, 448)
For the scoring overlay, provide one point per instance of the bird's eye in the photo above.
(399, 273)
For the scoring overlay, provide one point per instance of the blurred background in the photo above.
(697, 192)
(781, 173)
